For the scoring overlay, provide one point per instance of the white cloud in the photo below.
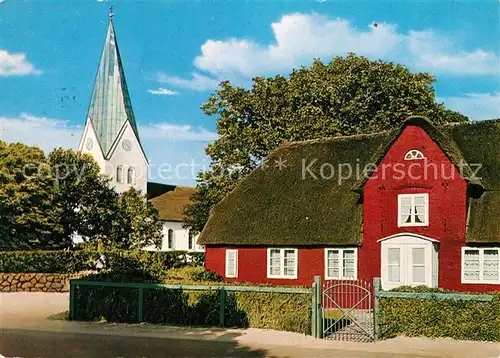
(163, 92)
(436, 53)
(15, 64)
(179, 147)
(477, 106)
(299, 37)
(197, 82)
(176, 132)
(46, 133)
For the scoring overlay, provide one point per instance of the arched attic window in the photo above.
(119, 174)
(414, 154)
(131, 175)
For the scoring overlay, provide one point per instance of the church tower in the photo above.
(111, 135)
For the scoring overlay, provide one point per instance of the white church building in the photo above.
(111, 136)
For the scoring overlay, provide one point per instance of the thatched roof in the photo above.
(280, 207)
(170, 205)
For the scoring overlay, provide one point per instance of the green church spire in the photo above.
(110, 107)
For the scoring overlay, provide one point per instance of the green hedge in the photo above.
(467, 320)
(280, 311)
(150, 263)
(47, 261)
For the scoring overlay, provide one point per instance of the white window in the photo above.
(481, 265)
(131, 176)
(170, 239)
(413, 210)
(231, 263)
(190, 241)
(409, 260)
(414, 154)
(341, 264)
(282, 263)
(119, 174)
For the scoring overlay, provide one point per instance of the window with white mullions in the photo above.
(413, 210)
(394, 265)
(481, 265)
(231, 263)
(341, 264)
(418, 265)
(282, 263)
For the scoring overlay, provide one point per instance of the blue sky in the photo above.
(174, 53)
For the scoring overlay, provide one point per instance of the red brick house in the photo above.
(419, 205)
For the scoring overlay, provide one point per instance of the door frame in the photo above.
(405, 242)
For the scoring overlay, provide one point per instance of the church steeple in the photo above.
(110, 107)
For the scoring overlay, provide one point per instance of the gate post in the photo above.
(377, 287)
(319, 302)
(314, 311)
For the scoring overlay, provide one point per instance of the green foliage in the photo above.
(281, 311)
(136, 224)
(350, 95)
(28, 218)
(468, 320)
(112, 265)
(194, 274)
(47, 261)
(44, 200)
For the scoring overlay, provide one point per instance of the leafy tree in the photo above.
(28, 219)
(88, 203)
(350, 95)
(137, 223)
(44, 201)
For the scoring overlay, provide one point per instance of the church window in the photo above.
(131, 176)
(119, 174)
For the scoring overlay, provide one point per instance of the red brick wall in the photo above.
(447, 206)
(252, 265)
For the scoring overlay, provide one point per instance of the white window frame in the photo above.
(341, 263)
(406, 242)
(412, 197)
(282, 263)
(481, 269)
(235, 273)
(131, 175)
(120, 174)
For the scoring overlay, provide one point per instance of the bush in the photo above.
(281, 311)
(47, 261)
(122, 263)
(469, 320)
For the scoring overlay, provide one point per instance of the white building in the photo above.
(111, 136)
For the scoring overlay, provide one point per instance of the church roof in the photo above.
(279, 206)
(170, 205)
(110, 107)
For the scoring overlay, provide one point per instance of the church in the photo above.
(111, 136)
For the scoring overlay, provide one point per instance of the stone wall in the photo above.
(36, 282)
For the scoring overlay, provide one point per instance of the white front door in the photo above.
(408, 261)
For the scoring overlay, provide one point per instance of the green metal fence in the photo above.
(221, 289)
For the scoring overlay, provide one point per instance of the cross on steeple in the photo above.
(111, 14)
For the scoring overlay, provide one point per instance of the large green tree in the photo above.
(350, 95)
(46, 200)
(28, 219)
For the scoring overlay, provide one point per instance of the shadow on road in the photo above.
(32, 343)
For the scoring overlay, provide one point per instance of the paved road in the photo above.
(30, 343)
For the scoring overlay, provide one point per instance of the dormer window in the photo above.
(414, 154)
(119, 174)
(413, 210)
